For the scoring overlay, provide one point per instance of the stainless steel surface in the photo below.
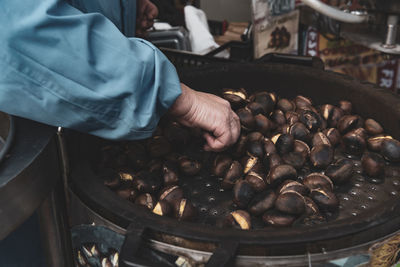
(56, 237)
(176, 38)
(391, 33)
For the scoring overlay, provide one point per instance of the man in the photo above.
(64, 67)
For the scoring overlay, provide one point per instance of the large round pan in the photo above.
(6, 134)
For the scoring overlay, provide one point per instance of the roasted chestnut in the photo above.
(111, 179)
(146, 200)
(373, 164)
(278, 117)
(162, 208)
(254, 137)
(240, 147)
(290, 185)
(299, 131)
(256, 149)
(171, 194)
(280, 173)
(126, 177)
(266, 99)
(302, 147)
(311, 119)
(373, 127)
(269, 147)
(284, 144)
(302, 102)
(291, 117)
(176, 134)
(320, 138)
(390, 149)
(251, 163)
(184, 210)
(236, 97)
(274, 160)
(170, 173)
(311, 207)
(256, 180)
(221, 164)
(263, 124)
(277, 218)
(238, 219)
(127, 193)
(296, 159)
(375, 143)
(321, 156)
(189, 166)
(354, 142)
(290, 202)
(285, 105)
(336, 115)
(318, 180)
(262, 202)
(243, 192)
(346, 106)
(255, 108)
(340, 171)
(348, 123)
(158, 146)
(326, 111)
(155, 166)
(247, 119)
(147, 182)
(234, 173)
(325, 199)
(333, 135)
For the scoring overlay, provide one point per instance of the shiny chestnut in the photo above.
(318, 180)
(390, 150)
(296, 159)
(243, 192)
(233, 174)
(280, 173)
(146, 200)
(290, 202)
(284, 144)
(277, 218)
(171, 194)
(375, 143)
(299, 132)
(236, 97)
(262, 202)
(238, 219)
(247, 119)
(184, 210)
(189, 166)
(340, 172)
(222, 162)
(256, 180)
(333, 135)
(290, 185)
(325, 199)
(373, 127)
(373, 164)
(321, 156)
(354, 142)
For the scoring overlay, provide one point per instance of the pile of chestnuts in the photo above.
(90, 255)
(288, 162)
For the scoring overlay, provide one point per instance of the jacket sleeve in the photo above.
(64, 68)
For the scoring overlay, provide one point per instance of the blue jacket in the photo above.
(65, 67)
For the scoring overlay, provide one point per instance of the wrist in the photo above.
(183, 103)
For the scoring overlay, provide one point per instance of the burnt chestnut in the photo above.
(311, 206)
(234, 173)
(321, 156)
(296, 159)
(375, 143)
(221, 164)
(320, 138)
(346, 106)
(291, 117)
(238, 219)
(269, 147)
(158, 146)
(302, 147)
(255, 108)
(247, 119)
(262, 202)
(266, 99)
(243, 192)
(373, 164)
(318, 180)
(162, 208)
(137, 155)
(236, 97)
(348, 123)
(176, 134)
(147, 182)
(255, 149)
(333, 135)
(146, 200)
(171, 194)
(290, 185)
(302, 102)
(340, 172)
(170, 173)
(390, 149)
(189, 166)
(127, 193)
(254, 137)
(280, 173)
(354, 142)
(278, 117)
(373, 127)
(274, 160)
(277, 218)
(285, 105)
(311, 119)
(263, 124)
(325, 199)
(184, 210)
(299, 131)
(290, 202)
(256, 180)
(240, 147)
(284, 144)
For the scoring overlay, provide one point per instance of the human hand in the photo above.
(146, 13)
(210, 113)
